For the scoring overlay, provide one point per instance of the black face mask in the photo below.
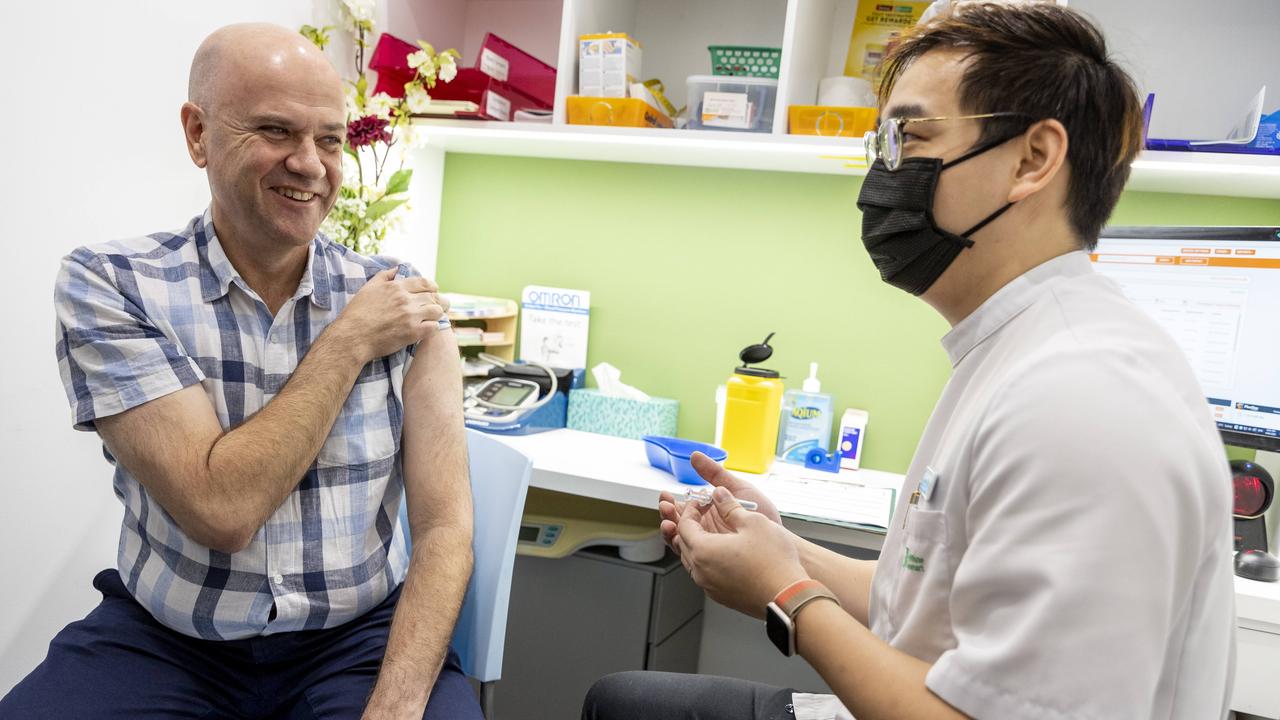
(905, 243)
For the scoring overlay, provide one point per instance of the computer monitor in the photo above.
(1216, 290)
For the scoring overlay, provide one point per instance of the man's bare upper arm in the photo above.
(165, 444)
(438, 488)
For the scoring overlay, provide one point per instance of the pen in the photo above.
(702, 496)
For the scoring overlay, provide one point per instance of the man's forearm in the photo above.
(848, 578)
(254, 466)
(872, 679)
(425, 616)
(438, 493)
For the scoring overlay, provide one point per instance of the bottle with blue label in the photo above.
(805, 420)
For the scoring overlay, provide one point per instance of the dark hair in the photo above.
(1046, 61)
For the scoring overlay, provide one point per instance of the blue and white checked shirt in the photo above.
(142, 318)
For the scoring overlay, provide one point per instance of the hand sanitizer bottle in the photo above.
(806, 420)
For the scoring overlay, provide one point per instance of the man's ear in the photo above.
(196, 132)
(1043, 152)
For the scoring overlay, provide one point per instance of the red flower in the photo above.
(368, 130)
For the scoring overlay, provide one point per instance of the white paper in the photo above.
(493, 65)
(1244, 132)
(830, 500)
(553, 326)
(722, 109)
(496, 106)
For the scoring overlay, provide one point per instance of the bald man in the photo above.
(267, 398)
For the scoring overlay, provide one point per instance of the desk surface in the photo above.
(1258, 604)
(617, 470)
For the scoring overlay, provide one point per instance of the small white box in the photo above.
(853, 433)
(590, 67)
(607, 64)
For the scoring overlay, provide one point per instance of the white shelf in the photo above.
(702, 148)
(814, 38)
(1233, 174)
(1171, 172)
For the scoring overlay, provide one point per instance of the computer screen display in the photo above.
(1217, 292)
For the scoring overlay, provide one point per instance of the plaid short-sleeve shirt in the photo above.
(142, 318)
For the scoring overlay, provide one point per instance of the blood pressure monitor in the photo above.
(512, 396)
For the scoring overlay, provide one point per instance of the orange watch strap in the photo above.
(790, 591)
(798, 594)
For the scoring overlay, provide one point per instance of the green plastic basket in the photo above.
(745, 60)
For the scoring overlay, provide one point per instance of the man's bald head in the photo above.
(266, 119)
(243, 53)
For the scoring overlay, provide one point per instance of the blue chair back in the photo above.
(499, 482)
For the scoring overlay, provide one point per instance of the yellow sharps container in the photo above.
(753, 400)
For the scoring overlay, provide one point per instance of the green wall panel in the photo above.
(688, 265)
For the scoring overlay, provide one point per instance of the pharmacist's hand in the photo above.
(671, 509)
(745, 562)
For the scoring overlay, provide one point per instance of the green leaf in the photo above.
(399, 181)
(382, 207)
(318, 36)
(427, 46)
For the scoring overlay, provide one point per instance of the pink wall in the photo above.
(532, 25)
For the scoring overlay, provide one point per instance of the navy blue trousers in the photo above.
(120, 663)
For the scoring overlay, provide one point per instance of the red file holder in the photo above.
(391, 61)
(505, 79)
(496, 101)
(517, 69)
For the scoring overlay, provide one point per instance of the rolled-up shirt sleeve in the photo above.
(111, 356)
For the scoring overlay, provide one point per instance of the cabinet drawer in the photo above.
(676, 599)
(1256, 691)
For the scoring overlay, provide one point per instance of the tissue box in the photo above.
(591, 411)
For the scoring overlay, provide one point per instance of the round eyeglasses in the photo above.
(885, 143)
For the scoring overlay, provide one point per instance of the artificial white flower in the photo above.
(417, 98)
(448, 68)
(412, 136)
(350, 171)
(422, 62)
(380, 104)
(349, 97)
(361, 10)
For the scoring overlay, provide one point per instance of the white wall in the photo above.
(1203, 60)
(94, 151)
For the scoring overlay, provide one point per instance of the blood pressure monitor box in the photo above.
(592, 411)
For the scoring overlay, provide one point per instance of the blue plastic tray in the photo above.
(672, 455)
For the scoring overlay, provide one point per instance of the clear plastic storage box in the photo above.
(740, 104)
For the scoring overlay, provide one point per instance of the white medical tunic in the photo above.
(1074, 557)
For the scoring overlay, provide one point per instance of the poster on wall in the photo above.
(554, 326)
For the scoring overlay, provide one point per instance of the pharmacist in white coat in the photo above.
(1063, 545)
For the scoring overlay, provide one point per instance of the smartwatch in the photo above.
(780, 615)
